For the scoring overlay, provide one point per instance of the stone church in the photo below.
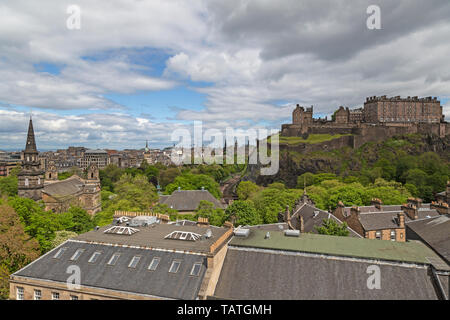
(57, 195)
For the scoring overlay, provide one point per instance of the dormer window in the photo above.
(134, 262)
(175, 266)
(77, 254)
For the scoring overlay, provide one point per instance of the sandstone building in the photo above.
(37, 184)
(384, 222)
(380, 118)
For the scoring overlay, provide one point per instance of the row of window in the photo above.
(392, 234)
(20, 294)
(174, 267)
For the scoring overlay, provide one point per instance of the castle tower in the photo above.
(31, 176)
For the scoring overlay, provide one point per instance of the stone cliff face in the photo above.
(341, 159)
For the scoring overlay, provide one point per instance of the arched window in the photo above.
(49, 175)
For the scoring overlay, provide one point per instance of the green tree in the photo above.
(8, 186)
(62, 236)
(246, 189)
(206, 209)
(332, 228)
(243, 212)
(17, 249)
(82, 221)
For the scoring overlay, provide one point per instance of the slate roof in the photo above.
(260, 274)
(188, 200)
(312, 220)
(153, 237)
(64, 188)
(159, 283)
(435, 232)
(95, 151)
(379, 220)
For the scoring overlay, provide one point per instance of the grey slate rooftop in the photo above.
(262, 274)
(140, 280)
(435, 232)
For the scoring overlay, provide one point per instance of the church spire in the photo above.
(31, 142)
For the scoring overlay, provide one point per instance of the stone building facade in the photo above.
(58, 195)
(407, 110)
(388, 116)
(99, 157)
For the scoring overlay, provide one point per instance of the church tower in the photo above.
(31, 176)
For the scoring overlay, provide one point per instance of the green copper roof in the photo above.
(411, 251)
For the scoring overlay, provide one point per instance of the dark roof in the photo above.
(188, 200)
(153, 237)
(64, 188)
(435, 232)
(160, 283)
(260, 274)
(379, 220)
(313, 217)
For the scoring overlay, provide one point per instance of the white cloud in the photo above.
(260, 57)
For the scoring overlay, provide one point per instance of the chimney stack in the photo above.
(415, 201)
(287, 215)
(202, 222)
(401, 219)
(355, 211)
(377, 203)
(410, 210)
(302, 225)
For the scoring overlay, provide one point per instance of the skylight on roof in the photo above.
(114, 259)
(196, 269)
(77, 254)
(59, 253)
(134, 262)
(175, 266)
(121, 230)
(94, 256)
(183, 235)
(154, 264)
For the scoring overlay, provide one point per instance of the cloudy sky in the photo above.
(138, 70)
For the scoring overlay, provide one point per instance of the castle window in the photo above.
(27, 183)
(19, 293)
(55, 295)
(39, 180)
(73, 297)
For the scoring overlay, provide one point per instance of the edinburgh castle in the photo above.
(380, 118)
